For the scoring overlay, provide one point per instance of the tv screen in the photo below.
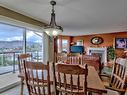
(120, 43)
(77, 49)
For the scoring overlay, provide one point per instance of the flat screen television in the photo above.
(120, 43)
(77, 49)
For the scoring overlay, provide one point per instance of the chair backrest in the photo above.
(74, 59)
(21, 58)
(122, 61)
(61, 57)
(71, 79)
(119, 76)
(74, 54)
(37, 78)
(92, 60)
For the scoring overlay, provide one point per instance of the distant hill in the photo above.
(14, 44)
(10, 44)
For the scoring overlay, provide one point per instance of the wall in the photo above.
(17, 16)
(109, 40)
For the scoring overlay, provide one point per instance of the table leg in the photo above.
(89, 93)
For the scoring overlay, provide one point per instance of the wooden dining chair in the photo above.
(118, 79)
(74, 54)
(61, 57)
(92, 60)
(70, 79)
(74, 58)
(21, 58)
(37, 77)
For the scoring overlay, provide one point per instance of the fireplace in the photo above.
(102, 52)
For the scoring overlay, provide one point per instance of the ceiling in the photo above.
(77, 17)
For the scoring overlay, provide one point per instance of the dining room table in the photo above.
(94, 82)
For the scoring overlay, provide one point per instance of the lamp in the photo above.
(53, 29)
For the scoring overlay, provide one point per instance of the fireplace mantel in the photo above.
(99, 50)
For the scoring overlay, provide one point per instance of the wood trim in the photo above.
(17, 16)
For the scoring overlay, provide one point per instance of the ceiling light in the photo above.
(53, 29)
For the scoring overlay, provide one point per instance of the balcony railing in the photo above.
(9, 62)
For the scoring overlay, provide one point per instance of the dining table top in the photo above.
(94, 82)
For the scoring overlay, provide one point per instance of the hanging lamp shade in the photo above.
(53, 29)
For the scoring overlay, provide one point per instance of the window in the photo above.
(64, 45)
(34, 43)
(15, 40)
(11, 44)
(58, 46)
(11, 38)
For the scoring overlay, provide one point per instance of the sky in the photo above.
(11, 33)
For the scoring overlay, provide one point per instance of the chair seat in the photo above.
(106, 84)
(115, 89)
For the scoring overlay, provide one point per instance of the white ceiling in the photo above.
(77, 17)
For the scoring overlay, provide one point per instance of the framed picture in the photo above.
(120, 43)
(79, 43)
(96, 40)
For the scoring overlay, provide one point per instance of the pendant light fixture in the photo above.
(53, 29)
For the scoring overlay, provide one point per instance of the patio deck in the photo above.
(8, 81)
(7, 69)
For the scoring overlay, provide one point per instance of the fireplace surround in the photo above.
(101, 51)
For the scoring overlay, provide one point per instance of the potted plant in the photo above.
(110, 53)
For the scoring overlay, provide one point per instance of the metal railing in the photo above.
(9, 62)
